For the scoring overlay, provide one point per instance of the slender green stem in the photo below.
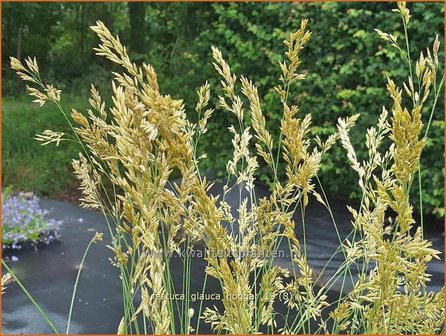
(437, 94)
(420, 190)
(426, 132)
(31, 298)
(201, 302)
(77, 282)
(409, 61)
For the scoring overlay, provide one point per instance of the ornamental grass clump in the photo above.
(135, 145)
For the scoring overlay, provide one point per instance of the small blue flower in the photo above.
(24, 220)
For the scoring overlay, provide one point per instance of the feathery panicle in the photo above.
(30, 73)
(6, 278)
(49, 136)
(295, 44)
(204, 93)
(258, 121)
(134, 146)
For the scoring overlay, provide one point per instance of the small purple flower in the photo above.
(23, 220)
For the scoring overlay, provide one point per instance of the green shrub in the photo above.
(346, 68)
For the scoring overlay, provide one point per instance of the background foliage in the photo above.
(346, 65)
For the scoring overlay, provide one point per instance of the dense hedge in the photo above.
(346, 65)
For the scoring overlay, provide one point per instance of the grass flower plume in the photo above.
(131, 149)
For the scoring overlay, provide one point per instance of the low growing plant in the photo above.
(145, 136)
(24, 221)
